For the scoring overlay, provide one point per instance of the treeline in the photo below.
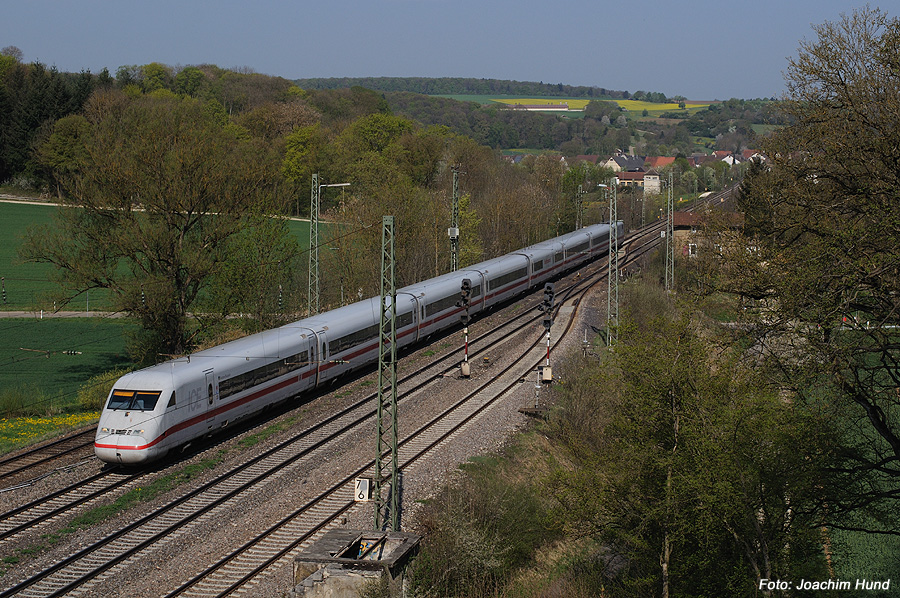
(157, 141)
(32, 95)
(464, 86)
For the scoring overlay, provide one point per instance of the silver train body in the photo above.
(151, 411)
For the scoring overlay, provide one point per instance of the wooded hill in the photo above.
(464, 86)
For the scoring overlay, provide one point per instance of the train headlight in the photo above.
(104, 430)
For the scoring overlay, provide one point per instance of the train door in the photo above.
(318, 349)
(212, 393)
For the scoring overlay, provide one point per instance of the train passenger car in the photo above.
(437, 299)
(348, 336)
(154, 409)
(150, 411)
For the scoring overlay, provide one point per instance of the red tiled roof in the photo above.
(658, 161)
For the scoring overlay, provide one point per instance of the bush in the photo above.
(20, 401)
(93, 393)
(481, 531)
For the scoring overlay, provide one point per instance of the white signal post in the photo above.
(547, 307)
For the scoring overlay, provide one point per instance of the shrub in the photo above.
(26, 400)
(92, 394)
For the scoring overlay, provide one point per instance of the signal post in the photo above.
(465, 293)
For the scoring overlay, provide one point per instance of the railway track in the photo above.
(243, 564)
(175, 518)
(16, 467)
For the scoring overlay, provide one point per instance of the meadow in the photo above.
(44, 361)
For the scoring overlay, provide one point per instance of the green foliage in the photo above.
(93, 394)
(687, 468)
(158, 188)
(480, 532)
(820, 260)
(26, 399)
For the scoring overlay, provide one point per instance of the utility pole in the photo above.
(387, 397)
(670, 237)
(312, 295)
(453, 231)
(313, 305)
(579, 208)
(612, 279)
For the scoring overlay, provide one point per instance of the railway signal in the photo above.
(465, 293)
(546, 306)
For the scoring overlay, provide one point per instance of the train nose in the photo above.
(121, 447)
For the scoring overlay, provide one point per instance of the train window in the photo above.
(135, 400)
(441, 304)
(353, 339)
(404, 319)
(538, 265)
(262, 374)
(210, 394)
(476, 291)
(557, 257)
(507, 278)
(578, 248)
(171, 400)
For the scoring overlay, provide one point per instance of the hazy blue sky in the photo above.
(704, 50)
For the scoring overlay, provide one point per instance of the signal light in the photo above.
(465, 292)
(546, 305)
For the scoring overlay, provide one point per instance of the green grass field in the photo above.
(35, 370)
(33, 354)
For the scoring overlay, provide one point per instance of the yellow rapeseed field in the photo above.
(579, 104)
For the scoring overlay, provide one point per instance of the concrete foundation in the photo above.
(342, 561)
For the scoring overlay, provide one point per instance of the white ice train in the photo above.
(151, 411)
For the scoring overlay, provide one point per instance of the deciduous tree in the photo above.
(824, 238)
(155, 190)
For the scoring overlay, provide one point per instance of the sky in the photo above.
(703, 50)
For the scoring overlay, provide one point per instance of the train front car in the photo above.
(130, 430)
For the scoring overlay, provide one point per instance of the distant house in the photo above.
(749, 154)
(691, 233)
(630, 179)
(657, 162)
(648, 181)
(652, 183)
(623, 163)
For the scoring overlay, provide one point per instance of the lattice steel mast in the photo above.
(312, 304)
(612, 289)
(453, 231)
(387, 469)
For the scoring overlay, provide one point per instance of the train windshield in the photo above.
(137, 400)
